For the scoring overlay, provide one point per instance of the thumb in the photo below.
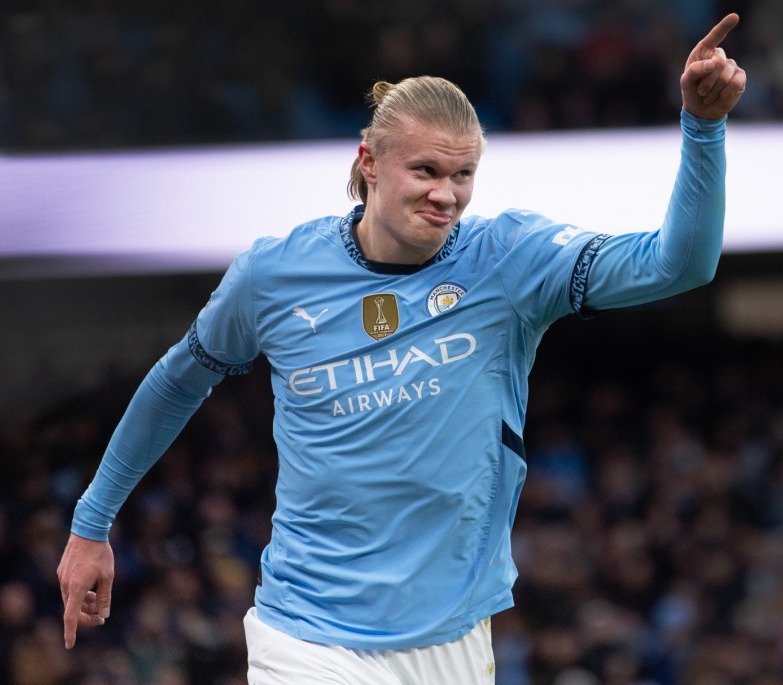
(103, 597)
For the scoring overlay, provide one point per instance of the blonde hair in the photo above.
(429, 100)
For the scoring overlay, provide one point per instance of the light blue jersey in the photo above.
(400, 399)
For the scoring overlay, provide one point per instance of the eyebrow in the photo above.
(437, 164)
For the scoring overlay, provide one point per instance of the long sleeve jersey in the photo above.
(400, 400)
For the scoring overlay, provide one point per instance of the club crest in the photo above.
(444, 297)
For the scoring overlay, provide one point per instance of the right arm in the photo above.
(163, 404)
(166, 399)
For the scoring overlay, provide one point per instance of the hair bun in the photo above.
(379, 91)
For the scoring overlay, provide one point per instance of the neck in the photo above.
(378, 248)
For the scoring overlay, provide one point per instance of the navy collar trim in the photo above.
(354, 252)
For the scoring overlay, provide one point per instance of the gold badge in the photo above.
(380, 315)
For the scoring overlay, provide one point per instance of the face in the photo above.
(417, 191)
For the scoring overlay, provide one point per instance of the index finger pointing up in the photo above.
(719, 32)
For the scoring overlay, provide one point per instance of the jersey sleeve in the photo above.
(546, 266)
(166, 399)
(219, 343)
(683, 254)
(224, 336)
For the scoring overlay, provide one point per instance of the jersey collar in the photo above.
(354, 252)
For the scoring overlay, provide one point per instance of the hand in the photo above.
(711, 83)
(86, 573)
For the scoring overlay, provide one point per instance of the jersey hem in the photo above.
(302, 629)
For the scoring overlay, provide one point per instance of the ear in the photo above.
(367, 164)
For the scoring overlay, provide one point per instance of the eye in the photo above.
(427, 170)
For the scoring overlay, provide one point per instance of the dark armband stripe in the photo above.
(208, 361)
(582, 271)
(513, 441)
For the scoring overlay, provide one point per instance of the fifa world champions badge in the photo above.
(380, 315)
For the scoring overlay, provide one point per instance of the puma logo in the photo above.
(298, 311)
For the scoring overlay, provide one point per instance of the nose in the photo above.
(442, 191)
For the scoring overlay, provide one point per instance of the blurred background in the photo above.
(105, 74)
(650, 535)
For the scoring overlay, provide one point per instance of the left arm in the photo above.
(683, 254)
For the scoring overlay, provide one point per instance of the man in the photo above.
(400, 339)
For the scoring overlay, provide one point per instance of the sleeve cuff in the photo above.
(88, 524)
(694, 125)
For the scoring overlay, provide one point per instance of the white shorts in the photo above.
(275, 658)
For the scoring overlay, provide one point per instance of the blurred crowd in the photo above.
(649, 538)
(186, 545)
(96, 74)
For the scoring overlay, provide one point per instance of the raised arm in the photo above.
(636, 268)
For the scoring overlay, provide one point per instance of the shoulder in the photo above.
(272, 253)
(512, 227)
(302, 236)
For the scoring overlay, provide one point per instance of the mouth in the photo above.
(435, 218)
